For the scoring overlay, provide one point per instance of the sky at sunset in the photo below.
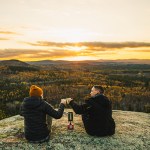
(74, 29)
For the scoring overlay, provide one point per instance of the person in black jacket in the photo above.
(34, 109)
(96, 113)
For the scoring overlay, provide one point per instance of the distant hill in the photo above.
(94, 62)
(17, 65)
(127, 61)
(13, 63)
(132, 133)
(48, 62)
(85, 62)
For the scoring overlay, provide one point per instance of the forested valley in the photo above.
(126, 85)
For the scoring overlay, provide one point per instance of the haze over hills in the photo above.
(134, 61)
(13, 62)
(123, 61)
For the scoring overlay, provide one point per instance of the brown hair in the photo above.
(100, 88)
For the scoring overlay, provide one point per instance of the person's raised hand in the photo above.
(68, 100)
(63, 101)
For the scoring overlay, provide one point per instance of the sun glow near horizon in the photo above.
(79, 58)
(74, 29)
(76, 48)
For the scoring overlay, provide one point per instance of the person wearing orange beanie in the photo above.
(35, 111)
(35, 91)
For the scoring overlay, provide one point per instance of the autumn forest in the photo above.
(126, 85)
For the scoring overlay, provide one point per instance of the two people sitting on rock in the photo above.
(96, 114)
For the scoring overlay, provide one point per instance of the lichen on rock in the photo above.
(132, 132)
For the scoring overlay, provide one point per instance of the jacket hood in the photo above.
(32, 102)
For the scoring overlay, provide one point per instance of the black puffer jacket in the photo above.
(96, 115)
(34, 110)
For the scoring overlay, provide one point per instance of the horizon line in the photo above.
(76, 60)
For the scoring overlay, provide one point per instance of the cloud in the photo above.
(141, 51)
(51, 44)
(28, 53)
(116, 45)
(93, 45)
(4, 39)
(7, 32)
(86, 49)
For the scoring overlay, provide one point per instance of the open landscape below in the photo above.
(126, 82)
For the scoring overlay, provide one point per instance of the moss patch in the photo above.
(132, 132)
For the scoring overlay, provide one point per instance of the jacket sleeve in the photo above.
(57, 114)
(21, 110)
(79, 109)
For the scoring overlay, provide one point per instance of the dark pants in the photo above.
(49, 124)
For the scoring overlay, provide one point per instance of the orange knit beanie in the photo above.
(35, 91)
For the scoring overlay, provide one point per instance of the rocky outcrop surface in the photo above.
(132, 133)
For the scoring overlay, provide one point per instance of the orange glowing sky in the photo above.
(74, 29)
